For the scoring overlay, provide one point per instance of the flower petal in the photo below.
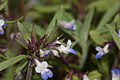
(72, 51)
(44, 75)
(105, 49)
(49, 73)
(44, 65)
(98, 48)
(99, 55)
(119, 33)
(38, 69)
(46, 53)
(115, 74)
(85, 77)
(68, 44)
(2, 22)
(55, 53)
(1, 30)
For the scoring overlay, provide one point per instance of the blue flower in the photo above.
(68, 25)
(66, 49)
(115, 74)
(41, 67)
(102, 51)
(1, 24)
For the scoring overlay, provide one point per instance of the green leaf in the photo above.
(39, 30)
(9, 73)
(107, 17)
(74, 77)
(3, 5)
(21, 66)
(97, 38)
(56, 19)
(7, 63)
(94, 75)
(114, 35)
(52, 30)
(83, 36)
(84, 30)
(23, 31)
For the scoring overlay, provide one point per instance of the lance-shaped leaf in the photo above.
(55, 20)
(3, 5)
(52, 31)
(114, 35)
(84, 30)
(7, 63)
(107, 17)
(23, 32)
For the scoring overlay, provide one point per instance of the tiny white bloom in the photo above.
(66, 49)
(41, 67)
(102, 51)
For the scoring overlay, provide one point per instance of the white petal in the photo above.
(38, 69)
(105, 49)
(85, 77)
(62, 48)
(44, 65)
(57, 42)
(68, 44)
(41, 53)
(55, 53)
(37, 62)
(98, 48)
(2, 22)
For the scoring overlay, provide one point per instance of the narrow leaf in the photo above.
(84, 30)
(7, 63)
(114, 35)
(3, 5)
(107, 17)
(23, 31)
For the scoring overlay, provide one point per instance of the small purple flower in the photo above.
(2, 22)
(41, 67)
(68, 25)
(115, 74)
(102, 51)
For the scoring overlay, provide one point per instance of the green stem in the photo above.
(29, 72)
